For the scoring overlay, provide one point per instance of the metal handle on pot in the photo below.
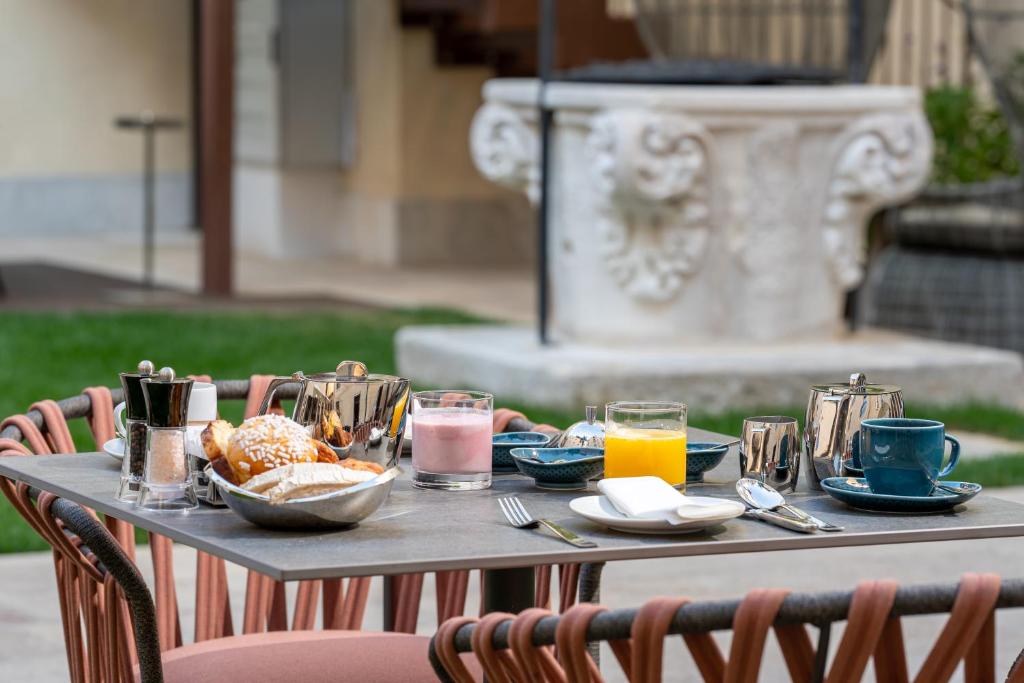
(276, 384)
(752, 453)
(835, 409)
(757, 439)
(838, 438)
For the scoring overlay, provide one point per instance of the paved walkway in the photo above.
(494, 293)
(31, 646)
(974, 445)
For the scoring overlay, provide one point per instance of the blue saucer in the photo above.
(854, 492)
(503, 443)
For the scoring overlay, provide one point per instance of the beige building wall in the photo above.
(412, 195)
(67, 68)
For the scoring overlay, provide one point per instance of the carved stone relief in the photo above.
(506, 149)
(881, 159)
(649, 171)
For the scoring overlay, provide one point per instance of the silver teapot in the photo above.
(357, 414)
(832, 424)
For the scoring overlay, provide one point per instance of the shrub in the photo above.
(972, 140)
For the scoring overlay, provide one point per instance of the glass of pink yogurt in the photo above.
(451, 439)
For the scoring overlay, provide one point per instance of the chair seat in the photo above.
(306, 656)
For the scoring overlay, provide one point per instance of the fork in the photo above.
(518, 517)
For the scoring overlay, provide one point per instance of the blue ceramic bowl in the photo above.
(562, 469)
(502, 445)
(703, 456)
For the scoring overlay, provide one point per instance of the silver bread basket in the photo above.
(335, 510)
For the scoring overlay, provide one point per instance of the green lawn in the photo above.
(55, 355)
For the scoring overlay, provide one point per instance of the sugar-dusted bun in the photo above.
(266, 442)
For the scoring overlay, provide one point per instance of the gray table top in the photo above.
(418, 530)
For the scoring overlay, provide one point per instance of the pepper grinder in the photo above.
(134, 432)
(167, 477)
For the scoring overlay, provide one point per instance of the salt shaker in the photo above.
(167, 477)
(135, 432)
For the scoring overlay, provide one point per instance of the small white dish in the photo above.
(600, 510)
(115, 448)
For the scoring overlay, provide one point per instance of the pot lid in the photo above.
(347, 371)
(856, 386)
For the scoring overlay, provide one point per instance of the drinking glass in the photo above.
(451, 439)
(646, 438)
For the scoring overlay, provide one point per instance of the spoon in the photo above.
(934, 481)
(760, 495)
(728, 444)
(958, 490)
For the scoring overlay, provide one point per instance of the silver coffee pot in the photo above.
(832, 424)
(357, 414)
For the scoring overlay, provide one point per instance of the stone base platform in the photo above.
(509, 362)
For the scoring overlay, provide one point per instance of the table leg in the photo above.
(389, 603)
(590, 581)
(590, 591)
(508, 590)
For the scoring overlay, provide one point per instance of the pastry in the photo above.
(305, 480)
(325, 453)
(215, 439)
(223, 468)
(267, 442)
(261, 483)
(356, 471)
(362, 466)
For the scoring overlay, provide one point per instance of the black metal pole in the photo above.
(388, 623)
(148, 203)
(857, 70)
(508, 590)
(545, 62)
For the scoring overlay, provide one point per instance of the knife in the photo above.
(783, 521)
(800, 514)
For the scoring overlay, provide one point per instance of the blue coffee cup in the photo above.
(903, 456)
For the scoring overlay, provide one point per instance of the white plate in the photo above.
(599, 509)
(114, 448)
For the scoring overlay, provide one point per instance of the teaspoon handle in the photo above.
(784, 521)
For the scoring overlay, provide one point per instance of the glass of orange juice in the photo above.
(646, 439)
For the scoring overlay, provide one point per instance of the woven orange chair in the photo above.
(87, 622)
(128, 634)
(522, 648)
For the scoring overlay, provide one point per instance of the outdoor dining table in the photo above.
(424, 531)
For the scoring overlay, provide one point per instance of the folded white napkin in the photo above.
(653, 498)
